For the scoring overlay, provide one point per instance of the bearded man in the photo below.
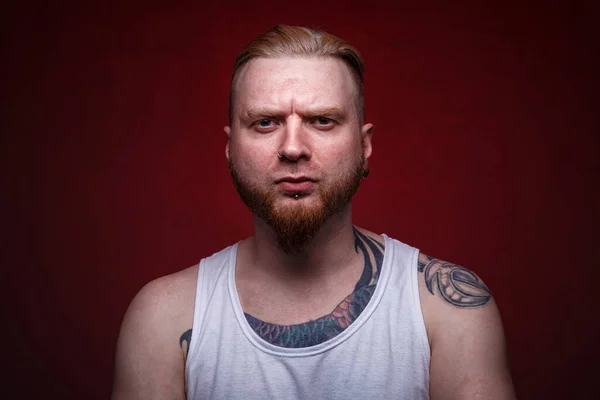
(310, 306)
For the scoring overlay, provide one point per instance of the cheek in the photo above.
(249, 160)
(343, 155)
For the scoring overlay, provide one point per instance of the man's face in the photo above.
(296, 150)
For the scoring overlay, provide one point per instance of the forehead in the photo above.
(295, 83)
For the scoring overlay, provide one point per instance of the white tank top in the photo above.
(383, 354)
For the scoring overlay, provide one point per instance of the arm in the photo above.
(468, 352)
(149, 361)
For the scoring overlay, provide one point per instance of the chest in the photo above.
(383, 355)
(283, 304)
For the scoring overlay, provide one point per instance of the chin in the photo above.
(308, 201)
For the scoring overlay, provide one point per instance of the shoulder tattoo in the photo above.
(184, 342)
(455, 284)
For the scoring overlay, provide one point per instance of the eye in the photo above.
(323, 123)
(265, 125)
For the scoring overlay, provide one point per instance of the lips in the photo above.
(295, 184)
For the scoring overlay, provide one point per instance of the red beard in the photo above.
(296, 225)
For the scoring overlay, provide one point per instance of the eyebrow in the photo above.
(333, 112)
(259, 112)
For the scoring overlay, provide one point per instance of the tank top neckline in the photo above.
(272, 349)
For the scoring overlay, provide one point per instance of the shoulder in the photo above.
(452, 283)
(168, 296)
(150, 355)
(451, 294)
(468, 350)
(163, 307)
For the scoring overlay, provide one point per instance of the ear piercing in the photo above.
(365, 172)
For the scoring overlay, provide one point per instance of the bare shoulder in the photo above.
(468, 350)
(170, 297)
(452, 295)
(452, 283)
(150, 356)
(169, 292)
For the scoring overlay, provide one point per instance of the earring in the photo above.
(366, 172)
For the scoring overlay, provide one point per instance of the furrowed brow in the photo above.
(256, 113)
(328, 112)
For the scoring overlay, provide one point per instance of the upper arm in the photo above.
(149, 363)
(468, 351)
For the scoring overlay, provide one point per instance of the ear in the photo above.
(227, 130)
(366, 134)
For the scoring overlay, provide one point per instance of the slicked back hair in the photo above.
(286, 41)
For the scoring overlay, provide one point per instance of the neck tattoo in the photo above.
(345, 313)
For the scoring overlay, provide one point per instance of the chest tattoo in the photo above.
(345, 313)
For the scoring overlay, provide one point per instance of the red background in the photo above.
(486, 153)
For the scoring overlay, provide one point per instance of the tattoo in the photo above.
(186, 338)
(361, 242)
(423, 263)
(322, 329)
(455, 284)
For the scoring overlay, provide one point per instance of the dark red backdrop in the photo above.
(486, 153)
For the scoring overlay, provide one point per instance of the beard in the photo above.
(296, 224)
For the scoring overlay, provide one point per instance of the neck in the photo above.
(327, 253)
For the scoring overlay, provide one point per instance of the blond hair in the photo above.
(285, 40)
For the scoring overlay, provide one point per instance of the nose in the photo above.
(295, 142)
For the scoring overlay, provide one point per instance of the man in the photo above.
(310, 306)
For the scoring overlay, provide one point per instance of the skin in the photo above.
(280, 105)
